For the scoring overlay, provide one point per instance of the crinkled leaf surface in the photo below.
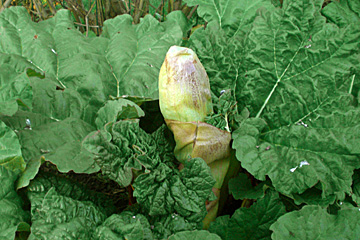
(55, 216)
(313, 222)
(197, 234)
(311, 130)
(232, 15)
(126, 225)
(136, 52)
(220, 46)
(343, 13)
(77, 76)
(253, 222)
(11, 211)
(123, 149)
(183, 192)
(165, 226)
(298, 70)
(298, 157)
(240, 187)
(39, 187)
(292, 59)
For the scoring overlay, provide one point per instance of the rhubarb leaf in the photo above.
(318, 224)
(60, 217)
(253, 222)
(11, 210)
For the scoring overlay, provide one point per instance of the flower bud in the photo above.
(184, 89)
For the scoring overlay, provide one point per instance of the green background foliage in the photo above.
(80, 122)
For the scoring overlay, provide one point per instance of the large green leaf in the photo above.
(11, 211)
(16, 92)
(72, 77)
(313, 222)
(10, 149)
(297, 157)
(295, 74)
(136, 52)
(343, 13)
(68, 188)
(62, 144)
(55, 216)
(253, 222)
(310, 134)
(231, 15)
(220, 46)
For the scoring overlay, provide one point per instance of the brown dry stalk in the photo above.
(5, 5)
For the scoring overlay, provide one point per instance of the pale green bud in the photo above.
(184, 89)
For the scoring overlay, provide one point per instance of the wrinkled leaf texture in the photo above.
(164, 190)
(125, 148)
(72, 77)
(285, 65)
(124, 226)
(60, 217)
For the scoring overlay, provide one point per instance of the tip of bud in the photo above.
(184, 89)
(179, 51)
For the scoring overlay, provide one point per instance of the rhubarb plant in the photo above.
(267, 131)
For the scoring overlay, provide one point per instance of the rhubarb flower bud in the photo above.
(184, 89)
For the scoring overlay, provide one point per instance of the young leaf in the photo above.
(67, 188)
(165, 226)
(122, 150)
(183, 192)
(117, 110)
